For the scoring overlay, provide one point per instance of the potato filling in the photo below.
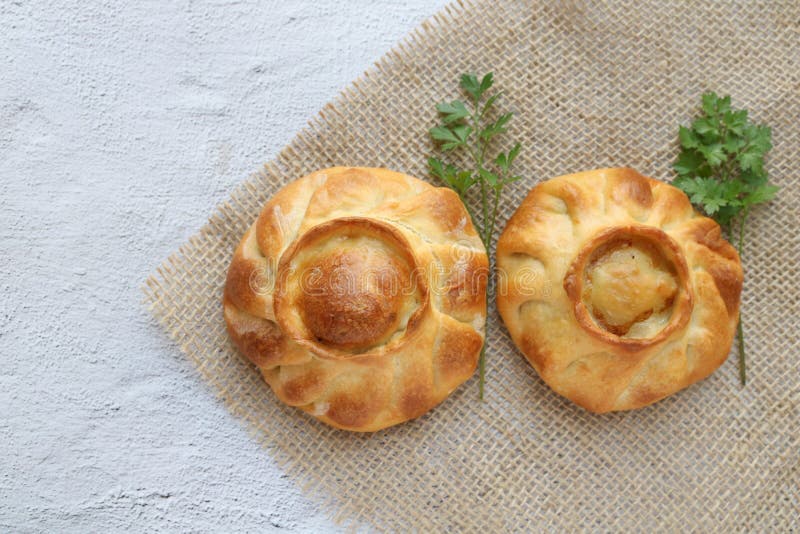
(628, 284)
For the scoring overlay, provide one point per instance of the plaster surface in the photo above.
(122, 126)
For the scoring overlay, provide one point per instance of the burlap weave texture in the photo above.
(592, 84)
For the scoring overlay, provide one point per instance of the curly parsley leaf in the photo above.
(721, 169)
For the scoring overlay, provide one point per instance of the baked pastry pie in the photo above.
(615, 289)
(360, 294)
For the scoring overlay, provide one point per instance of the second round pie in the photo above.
(615, 289)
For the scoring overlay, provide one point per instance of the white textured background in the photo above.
(121, 128)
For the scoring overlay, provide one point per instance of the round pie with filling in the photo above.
(360, 295)
(615, 289)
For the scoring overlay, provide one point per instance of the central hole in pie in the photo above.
(354, 292)
(629, 287)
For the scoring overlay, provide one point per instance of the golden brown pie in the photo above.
(360, 294)
(616, 290)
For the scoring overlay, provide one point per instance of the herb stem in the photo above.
(721, 168)
(481, 152)
(484, 205)
(739, 327)
(472, 215)
(463, 129)
(494, 215)
(482, 368)
(742, 363)
(482, 357)
(488, 244)
(741, 231)
(488, 231)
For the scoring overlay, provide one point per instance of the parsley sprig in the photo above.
(721, 169)
(466, 127)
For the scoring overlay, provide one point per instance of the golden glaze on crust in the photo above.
(360, 294)
(612, 243)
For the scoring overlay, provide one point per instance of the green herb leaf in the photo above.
(688, 138)
(470, 84)
(490, 103)
(486, 82)
(721, 168)
(689, 163)
(761, 194)
(453, 111)
(489, 174)
(451, 136)
(489, 177)
(497, 127)
(706, 128)
(501, 160)
(513, 153)
(442, 133)
(713, 153)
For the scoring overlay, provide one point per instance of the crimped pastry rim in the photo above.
(550, 228)
(682, 307)
(363, 392)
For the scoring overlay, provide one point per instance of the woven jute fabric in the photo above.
(594, 84)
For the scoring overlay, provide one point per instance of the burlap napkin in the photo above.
(593, 84)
